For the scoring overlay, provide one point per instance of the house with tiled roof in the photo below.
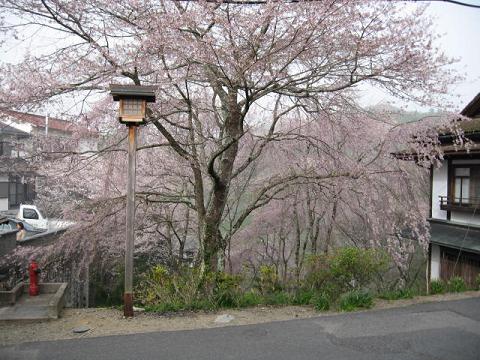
(455, 204)
(18, 131)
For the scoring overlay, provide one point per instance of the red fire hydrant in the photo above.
(33, 272)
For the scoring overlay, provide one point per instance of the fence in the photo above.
(466, 266)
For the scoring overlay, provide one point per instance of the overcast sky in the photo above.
(459, 25)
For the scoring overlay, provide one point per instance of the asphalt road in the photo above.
(444, 330)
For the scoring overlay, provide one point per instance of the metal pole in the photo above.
(129, 242)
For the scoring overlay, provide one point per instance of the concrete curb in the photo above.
(10, 297)
(57, 302)
(46, 307)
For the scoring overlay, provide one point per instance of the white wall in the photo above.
(466, 218)
(435, 263)
(3, 201)
(3, 204)
(439, 188)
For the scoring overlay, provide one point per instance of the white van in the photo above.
(32, 216)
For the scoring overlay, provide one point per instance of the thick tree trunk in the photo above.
(297, 245)
(284, 257)
(211, 245)
(329, 241)
(221, 176)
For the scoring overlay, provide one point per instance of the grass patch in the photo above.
(303, 297)
(321, 302)
(354, 300)
(397, 294)
(249, 299)
(437, 287)
(277, 298)
(456, 285)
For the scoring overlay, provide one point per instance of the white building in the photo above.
(18, 132)
(455, 205)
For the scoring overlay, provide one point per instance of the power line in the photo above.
(452, 2)
(262, 2)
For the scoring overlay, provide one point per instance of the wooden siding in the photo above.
(465, 265)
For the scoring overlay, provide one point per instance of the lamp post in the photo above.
(133, 105)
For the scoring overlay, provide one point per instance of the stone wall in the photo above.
(42, 239)
(8, 242)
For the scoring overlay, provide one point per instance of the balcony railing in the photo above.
(466, 204)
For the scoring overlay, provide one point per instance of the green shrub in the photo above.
(477, 282)
(277, 298)
(437, 287)
(268, 280)
(155, 287)
(320, 302)
(302, 297)
(355, 300)
(250, 298)
(201, 304)
(164, 307)
(397, 294)
(227, 291)
(347, 269)
(354, 268)
(317, 271)
(163, 291)
(456, 284)
(182, 290)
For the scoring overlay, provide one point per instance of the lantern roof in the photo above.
(146, 93)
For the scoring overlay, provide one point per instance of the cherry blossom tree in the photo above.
(235, 85)
(382, 203)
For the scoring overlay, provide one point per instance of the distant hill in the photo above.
(402, 116)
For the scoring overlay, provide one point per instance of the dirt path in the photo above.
(103, 322)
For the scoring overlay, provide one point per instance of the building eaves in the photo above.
(455, 235)
(6, 129)
(473, 107)
(39, 121)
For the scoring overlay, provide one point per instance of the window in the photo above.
(466, 185)
(5, 149)
(3, 189)
(19, 191)
(12, 193)
(30, 214)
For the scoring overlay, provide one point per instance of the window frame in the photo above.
(469, 200)
(32, 211)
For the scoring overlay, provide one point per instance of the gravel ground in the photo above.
(104, 322)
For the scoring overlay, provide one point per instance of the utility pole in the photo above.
(129, 241)
(133, 105)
